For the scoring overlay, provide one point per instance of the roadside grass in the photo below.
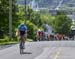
(8, 43)
(5, 42)
(29, 40)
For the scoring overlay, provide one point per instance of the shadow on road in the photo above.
(26, 53)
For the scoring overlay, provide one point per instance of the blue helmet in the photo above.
(22, 27)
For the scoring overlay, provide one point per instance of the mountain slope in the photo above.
(50, 3)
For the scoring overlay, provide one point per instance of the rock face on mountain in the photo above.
(50, 3)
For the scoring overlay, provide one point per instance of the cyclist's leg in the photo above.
(25, 37)
(23, 41)
(21, 44)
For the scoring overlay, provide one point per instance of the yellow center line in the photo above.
(57, 54)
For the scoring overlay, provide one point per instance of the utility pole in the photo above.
(25, 11)
(10, 19)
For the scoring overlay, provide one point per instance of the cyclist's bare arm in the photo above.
(17, 32)
(25, 35)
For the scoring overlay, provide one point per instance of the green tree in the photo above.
(36, 18)
(62, 24)
(4, 16)
(47, 18)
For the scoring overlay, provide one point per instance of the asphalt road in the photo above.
(41, 50)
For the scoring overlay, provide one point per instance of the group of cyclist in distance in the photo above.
(21, 33)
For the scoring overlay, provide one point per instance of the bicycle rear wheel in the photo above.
(21, 46)
(21, 51)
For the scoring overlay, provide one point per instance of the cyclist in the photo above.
(47, 30)
(22, 33)
(40, 34)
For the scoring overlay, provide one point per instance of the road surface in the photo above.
(41, 50)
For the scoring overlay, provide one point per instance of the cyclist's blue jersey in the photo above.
(22, 27)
